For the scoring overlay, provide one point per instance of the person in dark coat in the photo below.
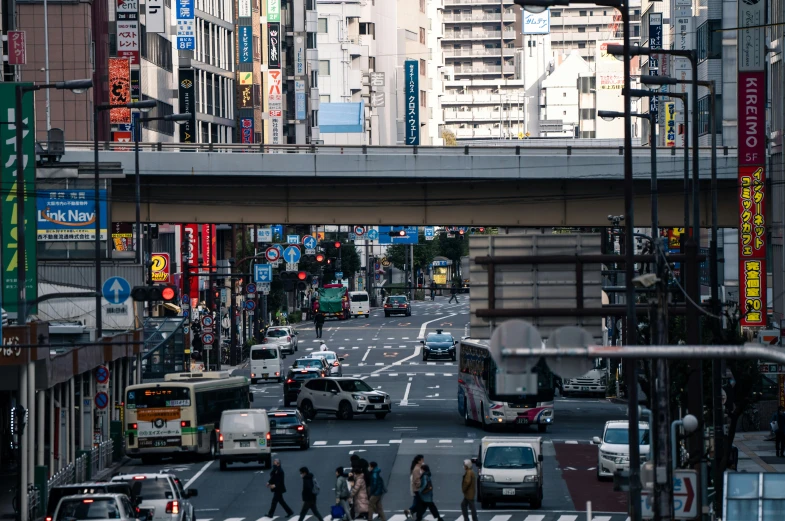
(318, 321)
(276, 484)
(453, 293)
(309, 495)
(780, 433)
(433, 290)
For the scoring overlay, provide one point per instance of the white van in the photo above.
(359, 304)
(510, 470)
(244, 437)
(266, 363)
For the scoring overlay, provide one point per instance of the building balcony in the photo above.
(475, 133)
(470, 53)
(448, 3)
(483, 115)
(479, 16)
(479, 35)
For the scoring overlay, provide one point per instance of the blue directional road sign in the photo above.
(292, 254)
(339, 275)
(372, 234)
(428, 231)
(309, 241)
(277, 230)
(262, 273)
(409, 238)
(293, 239)
(116, 290)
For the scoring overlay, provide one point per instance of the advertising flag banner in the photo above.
(655, 42)
(751, 110)
(670, 124)
(17, 48)
(119, 89)
(411, 96)
(275, 105)
(299, 101)
(69, 215)
(186, 93)
(190, 258)
(10, 228)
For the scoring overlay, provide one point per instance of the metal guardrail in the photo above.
(522, 147)
(100, 458)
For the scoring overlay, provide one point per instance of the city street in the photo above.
(425, 420)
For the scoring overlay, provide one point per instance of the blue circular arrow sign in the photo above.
(102, 374)
(116, 290)
(101, 400)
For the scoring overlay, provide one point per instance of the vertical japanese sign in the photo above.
(273, 10)
(155, 19)
(274, 45)
(9, 218)
(751, 101)
(670, 124)
(299, 99)
(17, 48)
(299, 56)
(655, 42)
(411, 96)
(246, 130)
(244, 9)
(207, 246)
(186, 26)
(244, 42)
(275, 105)
(190, 258)
(186, 96)
(128, 30)
(119, 89)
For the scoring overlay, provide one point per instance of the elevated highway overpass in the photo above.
(484, 185)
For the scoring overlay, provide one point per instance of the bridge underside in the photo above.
(530, 202)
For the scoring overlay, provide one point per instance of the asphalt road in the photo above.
(424, 420)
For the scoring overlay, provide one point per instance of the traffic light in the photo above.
(289, 278)
(337, 245)
(477, 230)
(320, 257)
(166, 294)
(303, 280)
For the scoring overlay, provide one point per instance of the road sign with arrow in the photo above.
(292, 254)
(116, 290)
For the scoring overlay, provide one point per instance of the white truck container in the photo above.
(510, 470)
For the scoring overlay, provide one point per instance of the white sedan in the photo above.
(332, 359)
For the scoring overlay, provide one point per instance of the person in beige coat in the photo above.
(359, 494)
(415, 480)
(469, 489)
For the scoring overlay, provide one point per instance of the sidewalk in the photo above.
(757, 453)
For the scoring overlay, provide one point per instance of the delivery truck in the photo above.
(510, 471)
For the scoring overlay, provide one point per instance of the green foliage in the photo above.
(295, 317)
(424, 252)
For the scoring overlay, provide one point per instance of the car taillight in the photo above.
(268, 436)
(300, 428)
(387, 305)
(173, 507)
(132, 426)
(48, 518)
(288, 339)
(253, 375)
(220, 441)
(289, 381)
(277, 373)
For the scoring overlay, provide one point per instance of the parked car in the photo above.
(78, 489)
(287, 428)
(335, 368)
(397, 304)
(343, 397)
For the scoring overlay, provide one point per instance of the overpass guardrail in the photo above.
(523, 149)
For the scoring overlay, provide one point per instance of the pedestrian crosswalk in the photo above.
(456, 516)
(426, 441)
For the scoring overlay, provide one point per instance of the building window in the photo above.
(581, 29)
(161, 109)
(310, 41)
(324, 98)
(581, 45)
(556, 14)
(422, 6)
(709, 40)
(156, 49)
(368, 28)
(322, 25)
(423, 94)
(422, 35)
(581, 13)
(422, 67)
(704, 104)
(324, 67)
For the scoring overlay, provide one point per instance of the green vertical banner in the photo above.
(10, 228)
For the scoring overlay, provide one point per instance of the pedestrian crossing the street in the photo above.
(456, 516)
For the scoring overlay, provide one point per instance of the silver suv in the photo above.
(284, 337)
(162, 495)
(343, 397)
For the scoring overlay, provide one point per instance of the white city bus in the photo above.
(180, 414)
(479, 402)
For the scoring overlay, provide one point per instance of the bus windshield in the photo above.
(158, 397)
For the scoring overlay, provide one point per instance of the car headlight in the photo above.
(487, 478)
(359, 397)
(530, 479)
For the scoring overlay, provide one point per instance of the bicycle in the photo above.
(750, 420)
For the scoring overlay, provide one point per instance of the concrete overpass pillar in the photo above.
(70, 405)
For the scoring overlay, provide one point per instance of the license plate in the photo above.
(508, 491)
(584, 388)
(265, 375)
(523, 420)
(281, 431)
(245, 444)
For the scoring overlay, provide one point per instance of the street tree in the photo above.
(424, 252)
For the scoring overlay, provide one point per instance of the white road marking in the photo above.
(356, 347)
(320, 443)
(405, 399)
(379, 363)
(234, 519)
(445, 441)
(534, 517)
(420, 441)
(370, 441)
(366, 354)
(602, 518)
(501, 517)
(571, 442)
(468, 441)
(344, 442)
(395, 441)
(417, 348)
(568, 517)
(196, 476)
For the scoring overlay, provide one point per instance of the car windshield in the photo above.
(622, 436)
(509, 458)
(307, 375)
(327, 355)
(277, 333)
(309, 362)
(264, 354)
(276, 421)
(151, 489)
(355, 386)
(242, 422)
(362, 297)
(439, 338)
(97, 508)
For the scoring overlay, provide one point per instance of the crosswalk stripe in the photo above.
(320, 443)
(234, 519)
(567, 517)
(397, 517)
(534, 517)
(602, 518)
(501, 517)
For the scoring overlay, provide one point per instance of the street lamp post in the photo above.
(78, 87)
(177, 118)
(145, 106)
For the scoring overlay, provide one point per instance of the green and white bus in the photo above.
(180, 414)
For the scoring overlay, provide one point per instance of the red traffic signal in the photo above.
(337, 244)
(301, 275)
(320, 257)
(461, 232)
(168, 294)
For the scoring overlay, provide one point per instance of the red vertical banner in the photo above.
(191, 258)
(207, 246)
(213, 251)
(752, 198)
(781, 385)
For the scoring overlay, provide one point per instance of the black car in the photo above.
(288, 428)
(77, 489)
(397, 304)
(438, 345)
(294, 380)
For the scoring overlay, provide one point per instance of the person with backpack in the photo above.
(342, 495)
(426, 495)
(359, 494)
(310, 493)
(277, 485)
(376, 490)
